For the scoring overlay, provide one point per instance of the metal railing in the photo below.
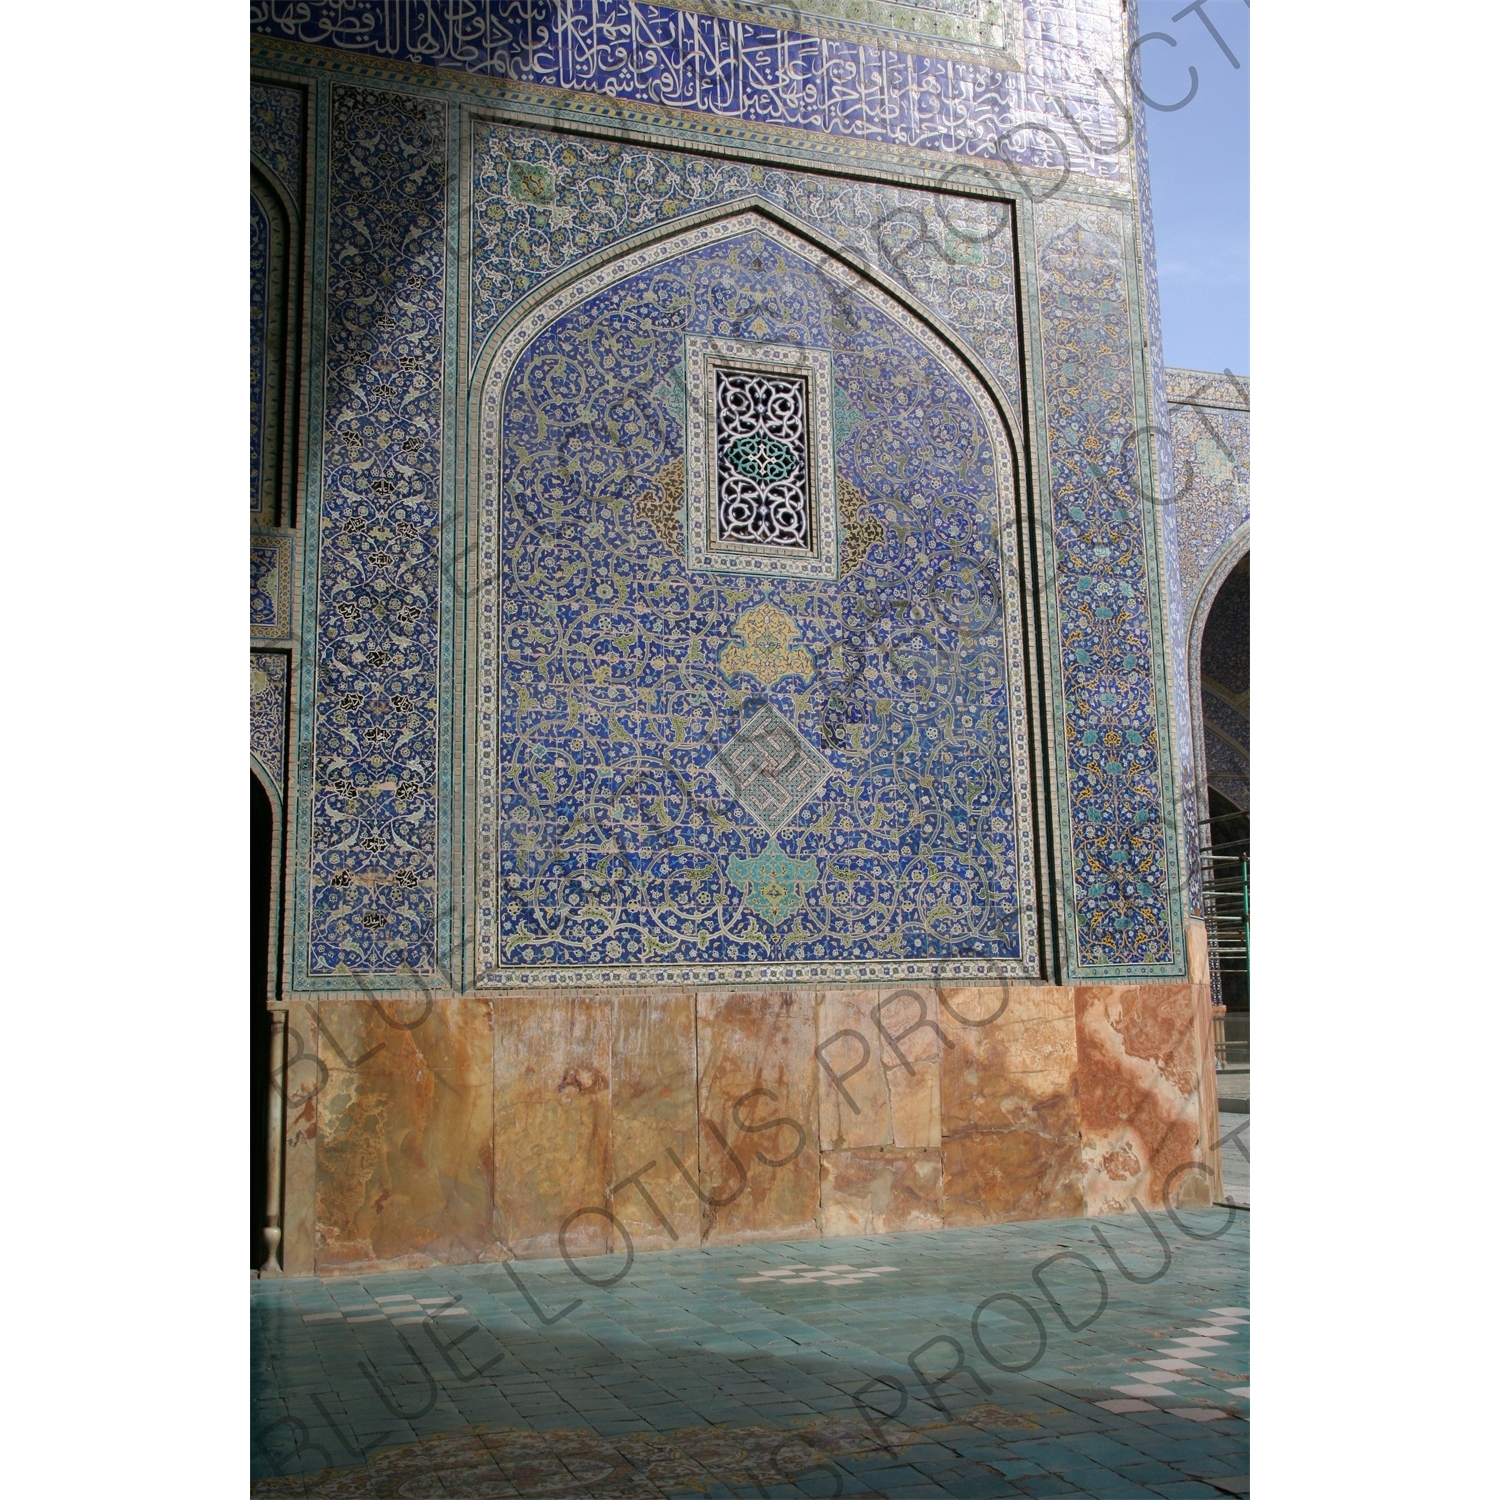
(1224, 866)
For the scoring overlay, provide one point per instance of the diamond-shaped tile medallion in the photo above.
(770, 770)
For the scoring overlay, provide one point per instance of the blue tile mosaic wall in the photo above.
(268, 706)
(276, 153)
(1157, 438)
(373, 818)
(270, 584)
(723, 65)
(543, 202)
(276, 136)
(622, 675)
(1124, 893)
(260, 270)
(1210, 425)
(410, 300)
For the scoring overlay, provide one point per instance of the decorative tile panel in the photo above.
(260, 294)
(1210, 420)
(754, 72)
(268, 706)
(1122, 891)
(271, 584)
(544, 202)
(611, 847)
(373, 816)
(276, 134)
(770, 770)
(727, 531)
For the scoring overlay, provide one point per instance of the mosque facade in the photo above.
(734, 687)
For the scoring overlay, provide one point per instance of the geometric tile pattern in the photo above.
(717, 539)
(615, 840)
(751, 71)
(760, 423)
(1122, 891)
(371, 906)
(770, 769)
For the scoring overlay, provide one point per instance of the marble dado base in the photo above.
(722, 1116)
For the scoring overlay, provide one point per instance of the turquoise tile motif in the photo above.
(374, 798)
(616, 843)
(773, 882)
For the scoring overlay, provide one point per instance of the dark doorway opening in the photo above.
(261, 824)
(1224, 701)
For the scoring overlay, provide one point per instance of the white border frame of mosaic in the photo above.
(704, 354)
(726, 222)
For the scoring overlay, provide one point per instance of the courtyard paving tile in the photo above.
(698, 1373)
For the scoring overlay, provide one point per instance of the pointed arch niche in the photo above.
(1219, 651)
(617, 660)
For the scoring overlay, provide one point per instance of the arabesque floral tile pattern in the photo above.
(268, 704)
(374, 811)
(276, 135)
(616, 844)
(1121, 871)
(541, 203)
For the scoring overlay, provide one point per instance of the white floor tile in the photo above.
(1198, 1413)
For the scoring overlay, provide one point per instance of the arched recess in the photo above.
(274, 258)
(1221, 715)
(262, 904)
(671, 314)
(1229, 557)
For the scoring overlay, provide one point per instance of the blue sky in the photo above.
(1200, 181)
